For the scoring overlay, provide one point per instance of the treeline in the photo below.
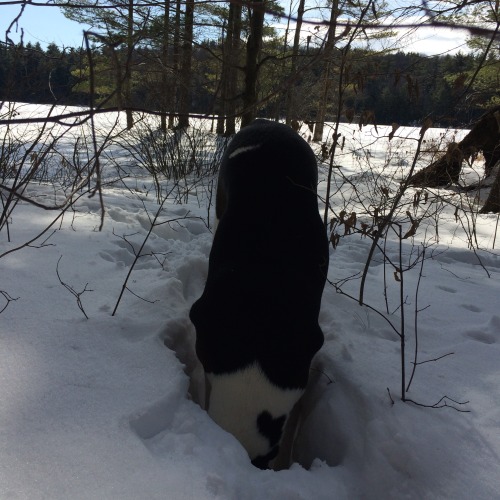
(405, 88)
(30, 74)
(392, 87)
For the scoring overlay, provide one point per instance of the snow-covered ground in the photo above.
(105, 407)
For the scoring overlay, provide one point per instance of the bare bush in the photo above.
(189, 157)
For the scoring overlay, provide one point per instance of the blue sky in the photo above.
(41, 24)
(48, 24)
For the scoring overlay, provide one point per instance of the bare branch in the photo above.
(77, 295)
(8, 299)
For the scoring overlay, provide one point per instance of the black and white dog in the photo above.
(257, 321)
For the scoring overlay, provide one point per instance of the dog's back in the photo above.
(257, 320)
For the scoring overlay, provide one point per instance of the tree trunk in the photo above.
(222, 89)
(185, 76)
(128, 68)
(328, 53)
(291, 97)
(176, 50)
(254, 44)
(234, 57)
(226, 122)
(166, 91)
(484, 136)
(492, 203)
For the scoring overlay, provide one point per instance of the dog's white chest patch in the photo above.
(251, 408)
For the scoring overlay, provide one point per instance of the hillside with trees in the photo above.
(227, 59)
(397, 87)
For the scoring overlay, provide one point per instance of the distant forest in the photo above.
(392, 87)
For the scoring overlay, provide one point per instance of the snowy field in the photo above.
(106, 407)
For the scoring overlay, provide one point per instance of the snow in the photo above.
(106, 407)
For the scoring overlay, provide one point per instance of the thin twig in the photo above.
(97, 165)
(435, 359)
(76, 294)
(8, 300)
(415, 363)
(442, 403)
(386, 221)
(138, 254)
